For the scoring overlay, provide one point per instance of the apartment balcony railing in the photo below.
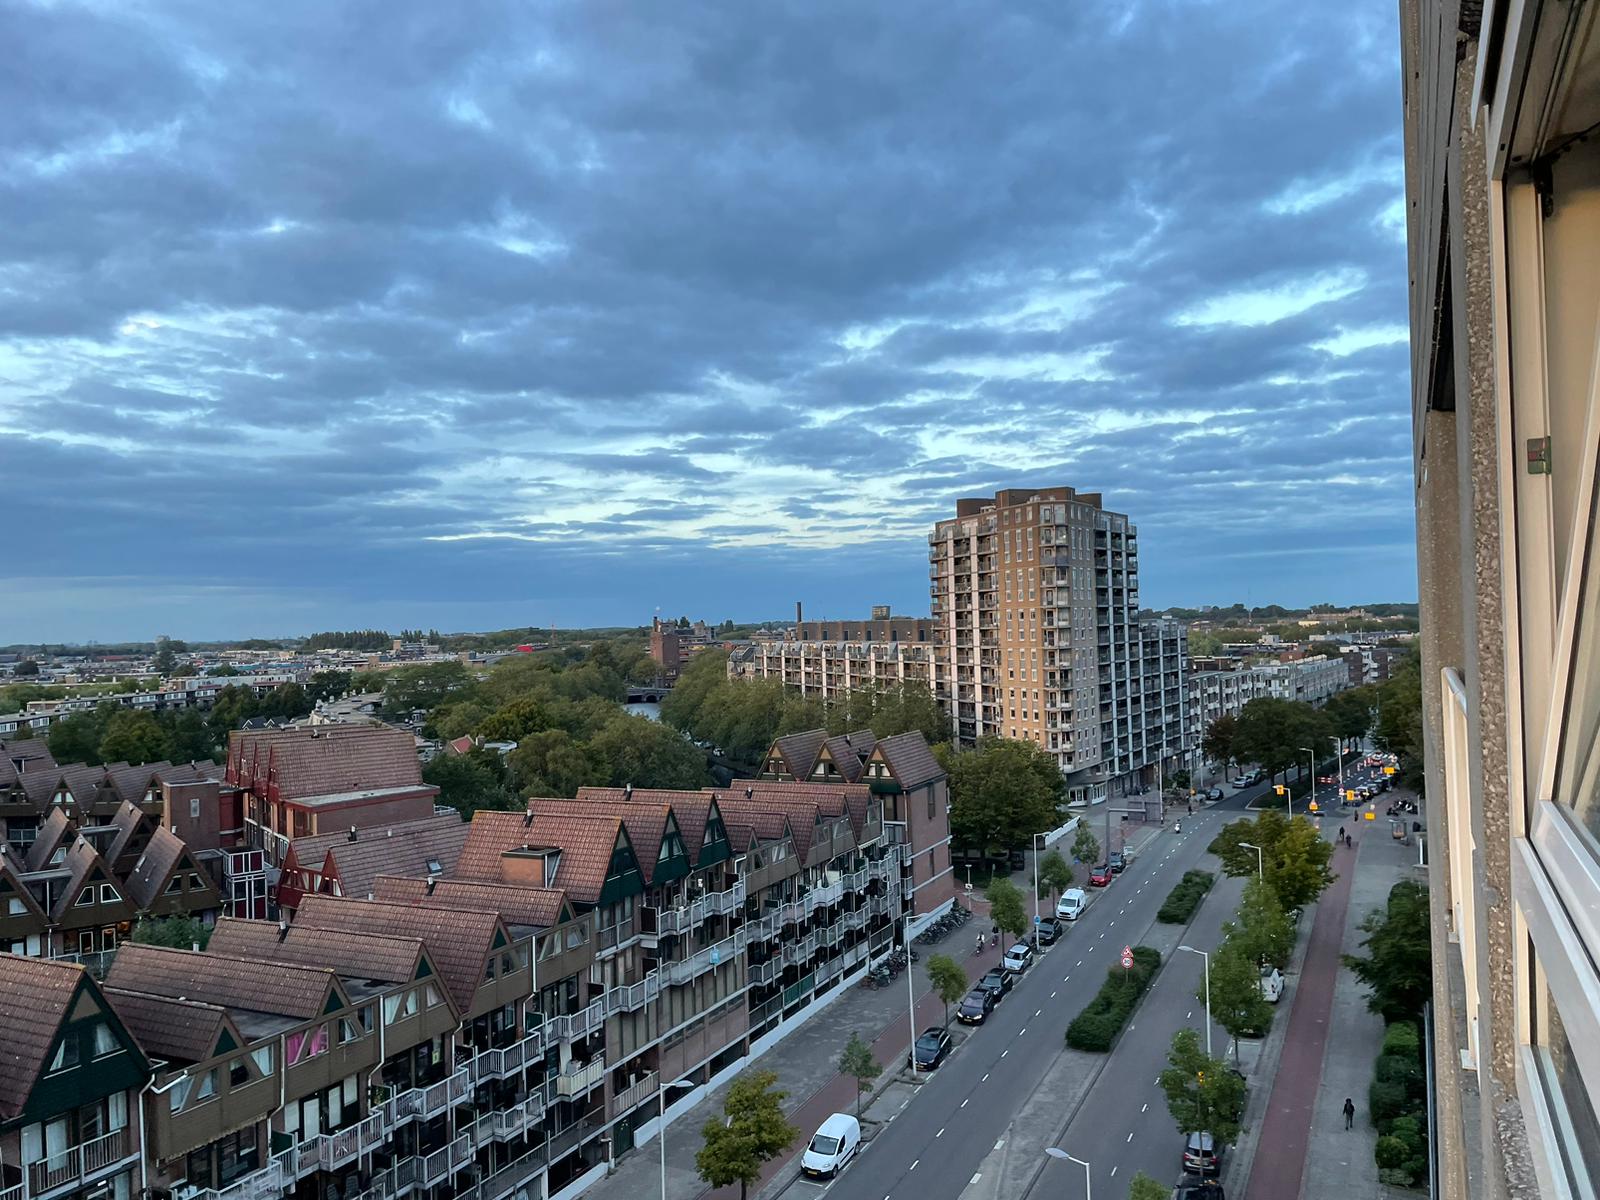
(576, 1080)
(508, 1178)
(575, 1134)
(681, 920)
(334, 1150)
(269, 1183)
(569, 1027)
(633, 996)
(766, 973)
(18, 1191)
(636, 1093)
(766, 926)
(428, 1102)
(703, 960)
(792, 913)
(855, 881)
(798, 952)
(856, 919)
(503, 1060)
(823, 895)
(72, 1164)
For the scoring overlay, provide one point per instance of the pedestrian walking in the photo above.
(1340, 839)
(1349, 1113)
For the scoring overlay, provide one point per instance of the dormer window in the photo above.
(85, 898)
(435, 867)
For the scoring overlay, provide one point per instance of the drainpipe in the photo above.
(149, 1088)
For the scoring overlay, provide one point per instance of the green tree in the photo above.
(472, 781)
(1260, 930)
(1202, 1094)
(134, 737)
(1217, 745)
(1298, 869)
(327, 685)
(189, 738)
(1005, 907)
(949, 981)
(1055, 876)
(1085, 846)
(177, 932)
(26, 667)
(423, 688)
(222, 671)
(1002, 792)
(857, 1062)
(286, 702)
(1398, 965)
(1236, 999)
(752, 1131)
(76, 738)
(553, 763)
(451, 721)
(1142, 1187)
(1350, 711)
(165, 661)
(647, 754)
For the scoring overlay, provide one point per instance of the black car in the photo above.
(977, 1006)
(1198, 1187)
(997, 980)
(1047, 931)
(1016, 860)
(931, 1048)
(1116, 862)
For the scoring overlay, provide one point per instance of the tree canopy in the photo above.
(1271, 732)
(1294, 855)
(1005, 907)
(1202, 1094)
(751, 1131)
(1002, 792)
(1398, 965)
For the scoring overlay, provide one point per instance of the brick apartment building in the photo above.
(830, 658)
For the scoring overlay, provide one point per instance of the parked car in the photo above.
(1214, 794)
(1018, 959)
(1198, 1187)
(1101, 875)
(1047, 931)
(931, 1048)
(996, 980)
(1116, 862)
(1271, 984)
(977, 1005)
(1202, 1155)
(1242, 782)
(1071, 904)
(833, 1145)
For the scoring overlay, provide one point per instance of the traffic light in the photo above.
(1280, 789)
(1200, 1076)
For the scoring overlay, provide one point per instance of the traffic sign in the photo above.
(1127, 962)
(1313, 806)
(1037, 918)
(1388, 770)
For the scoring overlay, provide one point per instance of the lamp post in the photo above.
(661, 1133)
(1034, 846)
(911, 1001)
(1339, 755)
(1058, 1152)
(1261, 871)
(1311, 779)
(1207, 957)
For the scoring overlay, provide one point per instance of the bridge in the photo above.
(648, 693)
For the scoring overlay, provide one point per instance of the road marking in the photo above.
(940, 1134)
(1003, 1053)
(1052, 995)
(1079, 963)
(1037, 1011)
(976, 1176)
(1130, 1136)
(1142, 1107)
(1188, 1014)
(999, 1143)
(964, 1102)
(1102, 937)
(1113, 1172)
(913, 1165)
(985, 1078)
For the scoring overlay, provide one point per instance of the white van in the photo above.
(1271, 984)
(832, 1146)
(1071, 904)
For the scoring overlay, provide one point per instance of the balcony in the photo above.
(433, 1169)
(703, 960)
(576, 1080)
(500, 1062)
(632, 997)
(269, 1183)
(427, 1102)
(569, 1027)
(797, 953)
(690, 916)
(766, 973)
(334, 1150)
(78, 1162)
(635, 1094)
(823, 895)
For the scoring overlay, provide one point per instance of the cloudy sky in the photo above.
(473, 315)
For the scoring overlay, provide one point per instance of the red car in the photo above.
(1101, 875)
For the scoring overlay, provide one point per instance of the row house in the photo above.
(90, 795)
(322, 779)
(348, 863)
(71, 1075)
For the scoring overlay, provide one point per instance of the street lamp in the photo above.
(661, 1133)
(1311, 779)
(1339, 755)
(1058, 1152)
(1207, 957)
(1034, 846)
(1261, 871)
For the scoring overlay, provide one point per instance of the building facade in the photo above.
(830, 669)
(1503, 221)
(1035, 602)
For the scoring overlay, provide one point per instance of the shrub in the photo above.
(1097, 1026)
(1402, 1038)
(1185, 897)
(1391, 1154)
(1405, 1071)
(1394, 1177)
(1409, 1131)
(1385, 1101)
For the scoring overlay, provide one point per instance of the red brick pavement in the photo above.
(1286, 1128)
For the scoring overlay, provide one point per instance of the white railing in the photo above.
(795, 953)
(569, 1027)
(822, 895)
(766, 972)
(269, 1183)
(633, 996)
(502, 1060)
(635, 1093)
(430, 1101)
(67, 1166)
(574, 1081)
(680, 920)
(703, 960)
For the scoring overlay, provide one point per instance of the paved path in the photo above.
(1286, 1128)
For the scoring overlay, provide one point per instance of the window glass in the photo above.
(1578, 775)
(105, 1042)
(1571, 1103)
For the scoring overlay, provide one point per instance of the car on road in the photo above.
(1198, 1187)
(1271, 984)
(977, 1005)
(1242, 782)
(832, 1147)
(1070, 906)
(1047, 931)
(1101, 875)
(1202, 1155)
(1116, 862)
(1018, 959)
(996, 980)
(931, 1048)
(1214, 794)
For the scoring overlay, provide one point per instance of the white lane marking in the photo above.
(976, 1176)
(1022, 1031)
(1188, 1014)
(1003, 1053)
(1130, 1136)
(964, 1102)
(1052, 995)
(1113, 1172)
(913, 1165)
(940, 1134)
(1142, 1107)
(1037, 1011)
(1079, 963)
(1102, 937)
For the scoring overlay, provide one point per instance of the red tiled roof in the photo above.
(324, 760)
(404, 848)
(586, 845)
(517, 904)
(910, 759)
(646, 822)
(180, 1031)
(355, 955)
(37, 994)
(799, 750)
(691, 809)
(228, 981)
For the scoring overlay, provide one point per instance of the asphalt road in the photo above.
(933, 1149)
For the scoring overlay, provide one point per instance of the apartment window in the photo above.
(194, 808)
(105, 1042)
(108, 894)
(305, 1044)
(85, 898)
(15, 907)
(66, 1056)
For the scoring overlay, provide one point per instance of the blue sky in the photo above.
(479, 315)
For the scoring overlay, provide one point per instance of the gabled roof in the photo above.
(324, 760)
(149, 876)
(832, 799)
(586, 845)
(458, 940)
(404, 848)
(12, 887)
(909, 759)
(34, 753)
(56, 831)
(369, 956)
(129, 820)
(39, 994)
(691, 809)
(799, 750)
(180, 1031)
(537, 908)
(229, 981)
(766, 822)
(645, 821)
(82, 864)
(848, 752)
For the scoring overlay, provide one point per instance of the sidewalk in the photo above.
(1340, 1163)
(806, 1063)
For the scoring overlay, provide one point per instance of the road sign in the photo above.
(1313, 806)
(1127, 962)
(1037, 918)
(1388, 770)
(1350, 795)
(1369, 815)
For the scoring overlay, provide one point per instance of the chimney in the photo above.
(527, 818)
(799, 613)
(283, 928)
(627, 791)
(749, 793)
(433, 882)
(352, 836)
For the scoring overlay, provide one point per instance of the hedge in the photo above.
(1097, 1026)
(1181, 902)
(1395, 1102)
